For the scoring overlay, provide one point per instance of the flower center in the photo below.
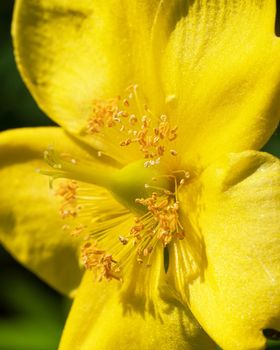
(147, 195)
(126, 213)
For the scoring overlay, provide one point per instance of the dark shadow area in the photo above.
(277, 19)
(271, 334)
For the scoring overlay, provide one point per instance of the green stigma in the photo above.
(135, 181)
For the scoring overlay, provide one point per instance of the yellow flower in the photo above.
(157, 174)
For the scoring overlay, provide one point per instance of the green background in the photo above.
(31, 314)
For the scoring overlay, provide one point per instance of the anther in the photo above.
(126, 103)
(123, 240)
(182, 182)
(77, 230)
(132, 119)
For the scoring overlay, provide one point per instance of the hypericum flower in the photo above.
(157, 187)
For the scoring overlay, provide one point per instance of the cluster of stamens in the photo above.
(68, 191)
(160, 223)
(98, 260)
(92, 257)
(165, 213)
(151, 140)
(69, 207)
(137, 123)
(104, 114)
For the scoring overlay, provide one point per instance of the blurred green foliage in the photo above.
(273, 146)
(31, 314)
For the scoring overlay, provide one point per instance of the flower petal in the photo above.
(102, 47)
(99, 320)
(235, 206)
(30, 227)
(221, 72)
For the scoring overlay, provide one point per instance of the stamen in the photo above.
(123, 240)
(104, 114)
(91, 213)
(97, 259)
(68, 191)
(160, 224)
(78, 230)
(185, 173)
(133, 117)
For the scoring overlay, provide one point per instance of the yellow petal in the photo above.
(235, 206)
(72, 53)
(30, 227)
(99, 320)
(214, 62)
(221, 72)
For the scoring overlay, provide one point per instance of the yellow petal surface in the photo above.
(73, 53)
(30, 226)
(100, 320)
(214, 62)
(235, 206)
(221, 75)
